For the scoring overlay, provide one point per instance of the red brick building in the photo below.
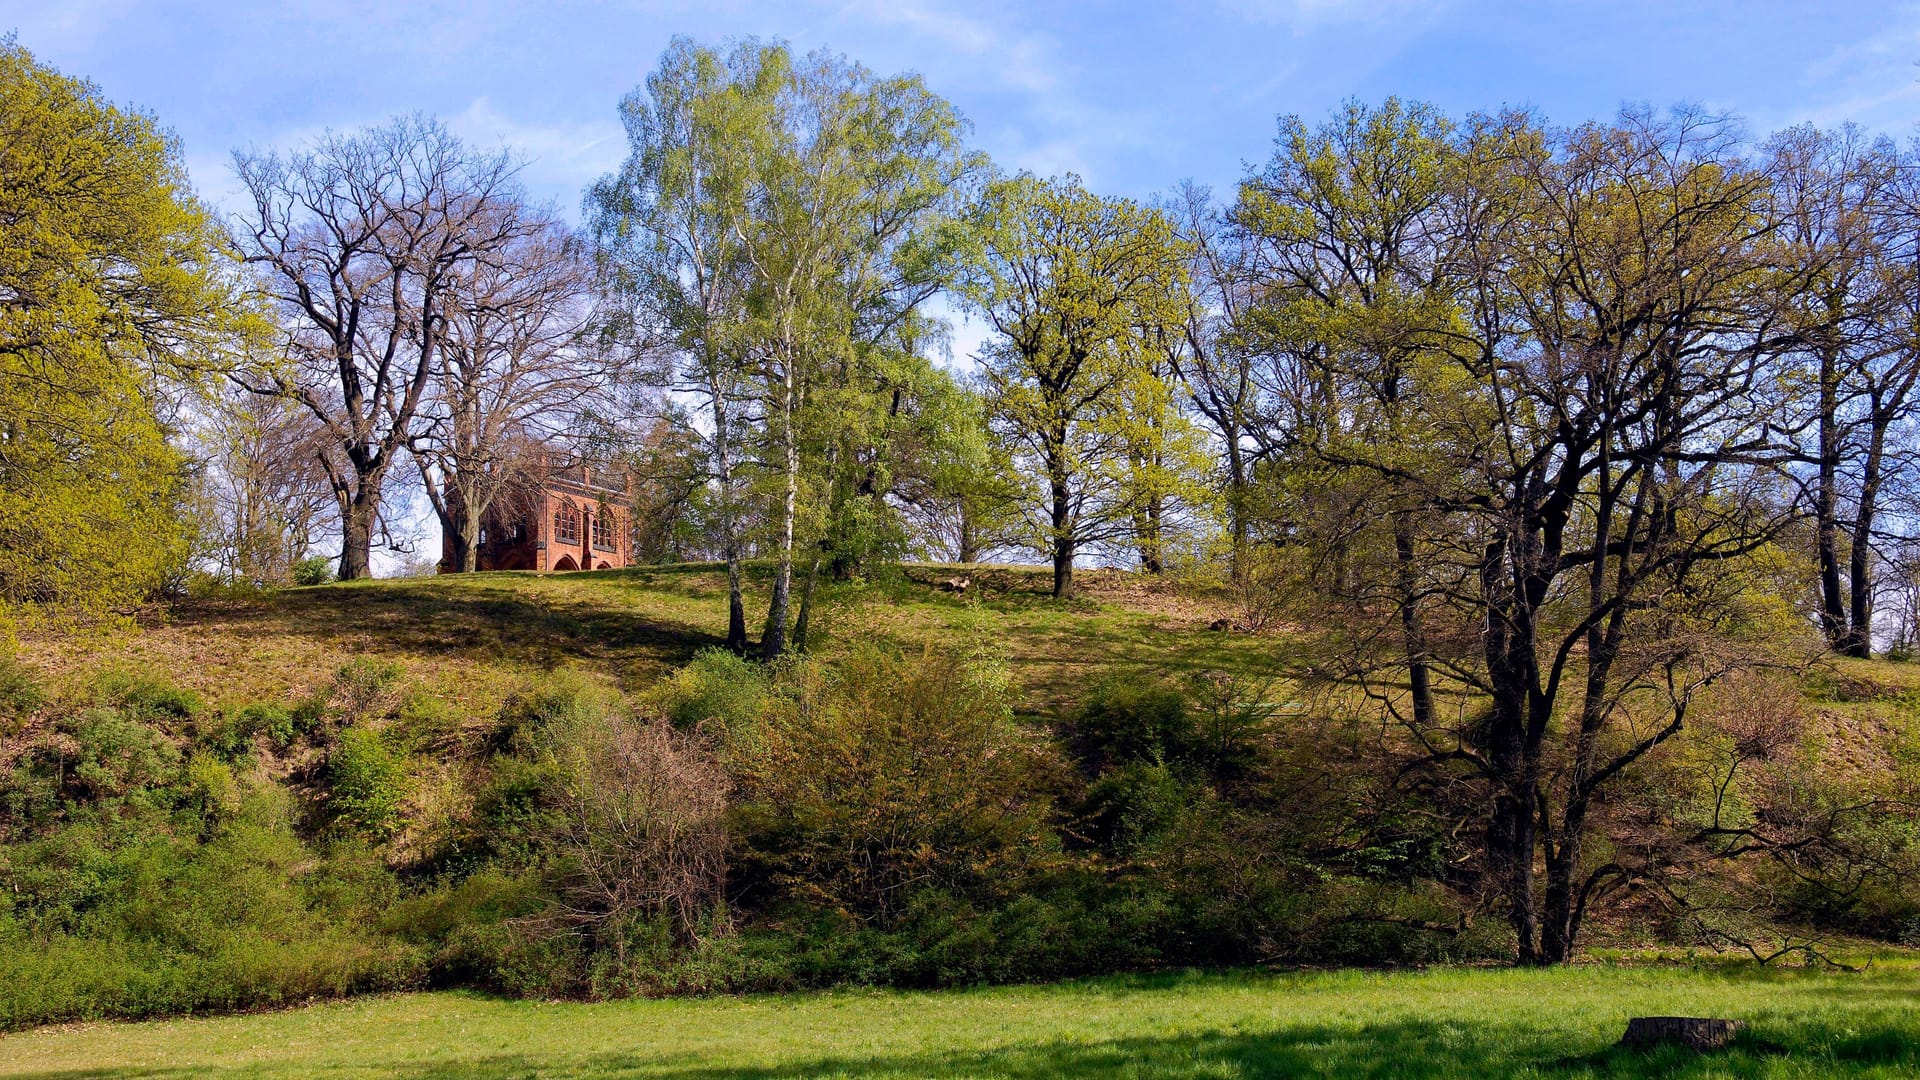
(573, 521)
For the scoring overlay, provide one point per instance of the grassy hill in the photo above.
(470, 637)
(391, 785)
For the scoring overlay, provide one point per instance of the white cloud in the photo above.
(1030, 62)
(561, 158)
(1875, 81)
(1309, 14)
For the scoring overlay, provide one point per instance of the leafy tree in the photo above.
(1072, 284)
(772, 223)
(867, 168)
(1215, 365)
(111, 289)
(1347, 221)
(1581, 458)
(670, 229)
(1846, 248)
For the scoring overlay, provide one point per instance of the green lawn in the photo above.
(1445, 1022)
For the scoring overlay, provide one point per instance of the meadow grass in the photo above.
(470, 638)
(1446, 1022)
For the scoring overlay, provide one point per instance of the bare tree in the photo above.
(513, 367)
(643, 817)
(1216, 367)
(359, 242)
(1837, 203)
(268, 496)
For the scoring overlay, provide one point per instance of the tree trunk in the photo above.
(1063, 546)
(1859, 638)
(968, 545)
(1833, 619)
(773, 640)
(356, 547)
(729, 528)
(1413, 635)
(1511, 837)
(803, 620)
(1560, 917)
(1237, 500)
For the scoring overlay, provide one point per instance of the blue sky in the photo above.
(1133, 96)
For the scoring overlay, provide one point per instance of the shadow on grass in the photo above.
(519, 618)
(1418, 1050)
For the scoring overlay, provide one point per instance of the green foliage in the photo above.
(560, 698)
(362, 687)
(890, 771)
(313, 570)
(108, 283)
(368, 782)
(20, 692)
(231, 733)
(1130, 719)
(148, 695)
(1081, 292)
(717, 688)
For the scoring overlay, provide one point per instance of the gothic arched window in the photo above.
(566, 523)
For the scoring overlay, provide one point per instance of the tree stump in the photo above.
(1697, 1033)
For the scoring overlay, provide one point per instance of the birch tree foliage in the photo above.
(776, 219)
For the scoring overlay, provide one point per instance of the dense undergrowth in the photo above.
(881, 813)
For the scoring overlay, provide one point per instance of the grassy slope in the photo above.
(1453, 1023)
(470, 638)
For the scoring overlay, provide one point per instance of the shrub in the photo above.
(231, 736)
(642, 810)
(150, 925)
(718, 689)
(362, 687)
(426, 721)
(313, 570)
(891, 772)
(558, 698)
(367, 781)
(1132, 718)
(148, 695)
(118, 759)
(1130, 806)
(20, 692)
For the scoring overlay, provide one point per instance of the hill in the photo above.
(557, 786)
(472, 637)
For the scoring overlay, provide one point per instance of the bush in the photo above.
(148, 695)
(642, 809)
(888, 773)
(367, 781)
(313, 570)
(717, 689)
(1132, 718)
(20, 692)
(153, 927)
(1128, 807)
(559, 698)
(362, 688)
(231, 736)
